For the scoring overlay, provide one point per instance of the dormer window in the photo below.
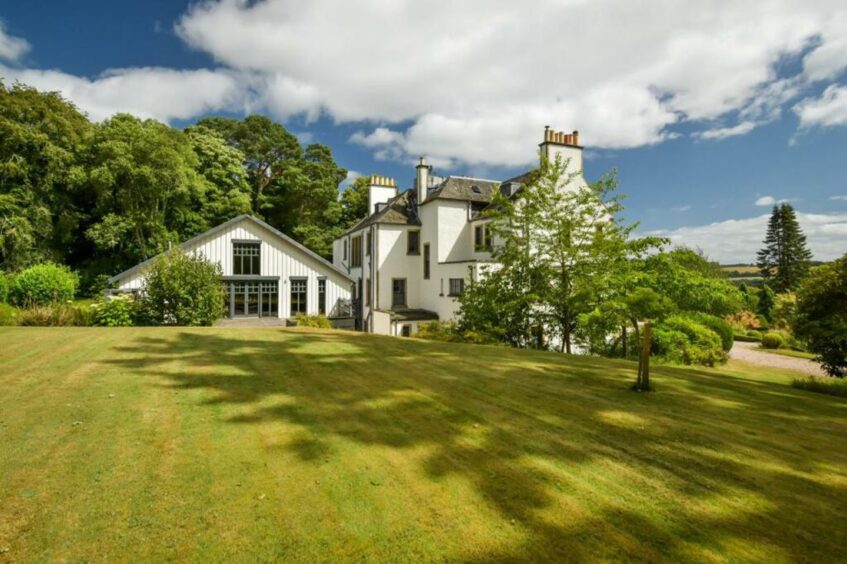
(245, 258)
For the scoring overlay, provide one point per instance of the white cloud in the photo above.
(475, 82)
(352, 175)
(681, 209)
(478, 80)
(738, 240)
(839, 197)
(724, 132)
(12, 48)
(828, 110)
(766, 201)
(828, 60)
(150, 92)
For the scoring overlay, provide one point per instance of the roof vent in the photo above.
(475, 189)
(509, 189)
(380, 206)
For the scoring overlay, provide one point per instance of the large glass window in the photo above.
(254, 298)
(245, 258)
(298, 296)
(413, 240)
(398, 292)
(457, 286)
(322, 296)
(426, 261)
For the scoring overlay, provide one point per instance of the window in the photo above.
(369, 245)
(426, 261)
(457, 286)
(245, 258)
(322, 296)
(398, 292)
(298, 296)
(356, 250)
(413, 239)
(406, 330)
(368, 292)
(481, 239)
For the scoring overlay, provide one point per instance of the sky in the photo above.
(711, 112)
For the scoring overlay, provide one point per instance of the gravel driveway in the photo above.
(750, 353)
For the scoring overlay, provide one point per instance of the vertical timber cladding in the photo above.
(279, 259)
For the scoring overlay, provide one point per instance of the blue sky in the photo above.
(706, 110)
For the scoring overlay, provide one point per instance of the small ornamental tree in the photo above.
(44, 284)
(821, 317)
(182, 289)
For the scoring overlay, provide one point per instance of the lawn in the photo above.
(261, 444)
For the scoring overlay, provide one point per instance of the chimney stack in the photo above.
(422, 179)
(380, 190)
(558, 144)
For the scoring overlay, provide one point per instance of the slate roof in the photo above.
(399, 211)
(465, 189)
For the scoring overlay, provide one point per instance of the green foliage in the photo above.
(830, 386)
(785, 310)
(118, 311)
(766, 302)
(41, 136)
(5, 287)
(821, 319)
(44, 284)
(721, 327)
(685, 340)
(772, 341)
(318, 321)
(784, 260)
(449, 332)
(564, 251)
(56, 315)
(692, 283)
(181, 289)
(354, 202)
(8, 315)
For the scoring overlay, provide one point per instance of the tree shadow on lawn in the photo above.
(557, 445)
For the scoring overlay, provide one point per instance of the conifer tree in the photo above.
(784, 260)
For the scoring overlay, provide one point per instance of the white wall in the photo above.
(278, 258)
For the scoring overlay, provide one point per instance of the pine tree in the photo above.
(784, 260)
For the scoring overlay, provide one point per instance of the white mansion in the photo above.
(412, 256)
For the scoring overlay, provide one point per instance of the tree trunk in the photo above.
(642, 383)
(623, 340)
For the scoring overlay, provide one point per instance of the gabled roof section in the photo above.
(223, 226)
(464, 188)
(399, 210)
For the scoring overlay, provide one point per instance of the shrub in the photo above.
(318, 321)
(744, 320)
(44, 284)
(720, 326)
(8, 315)
(830, 386)
(686, 341)
(181, 289)
(772, 341)
(115, 312)
(55, 315)
(444, 331)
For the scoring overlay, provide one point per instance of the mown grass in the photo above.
(260, 444)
